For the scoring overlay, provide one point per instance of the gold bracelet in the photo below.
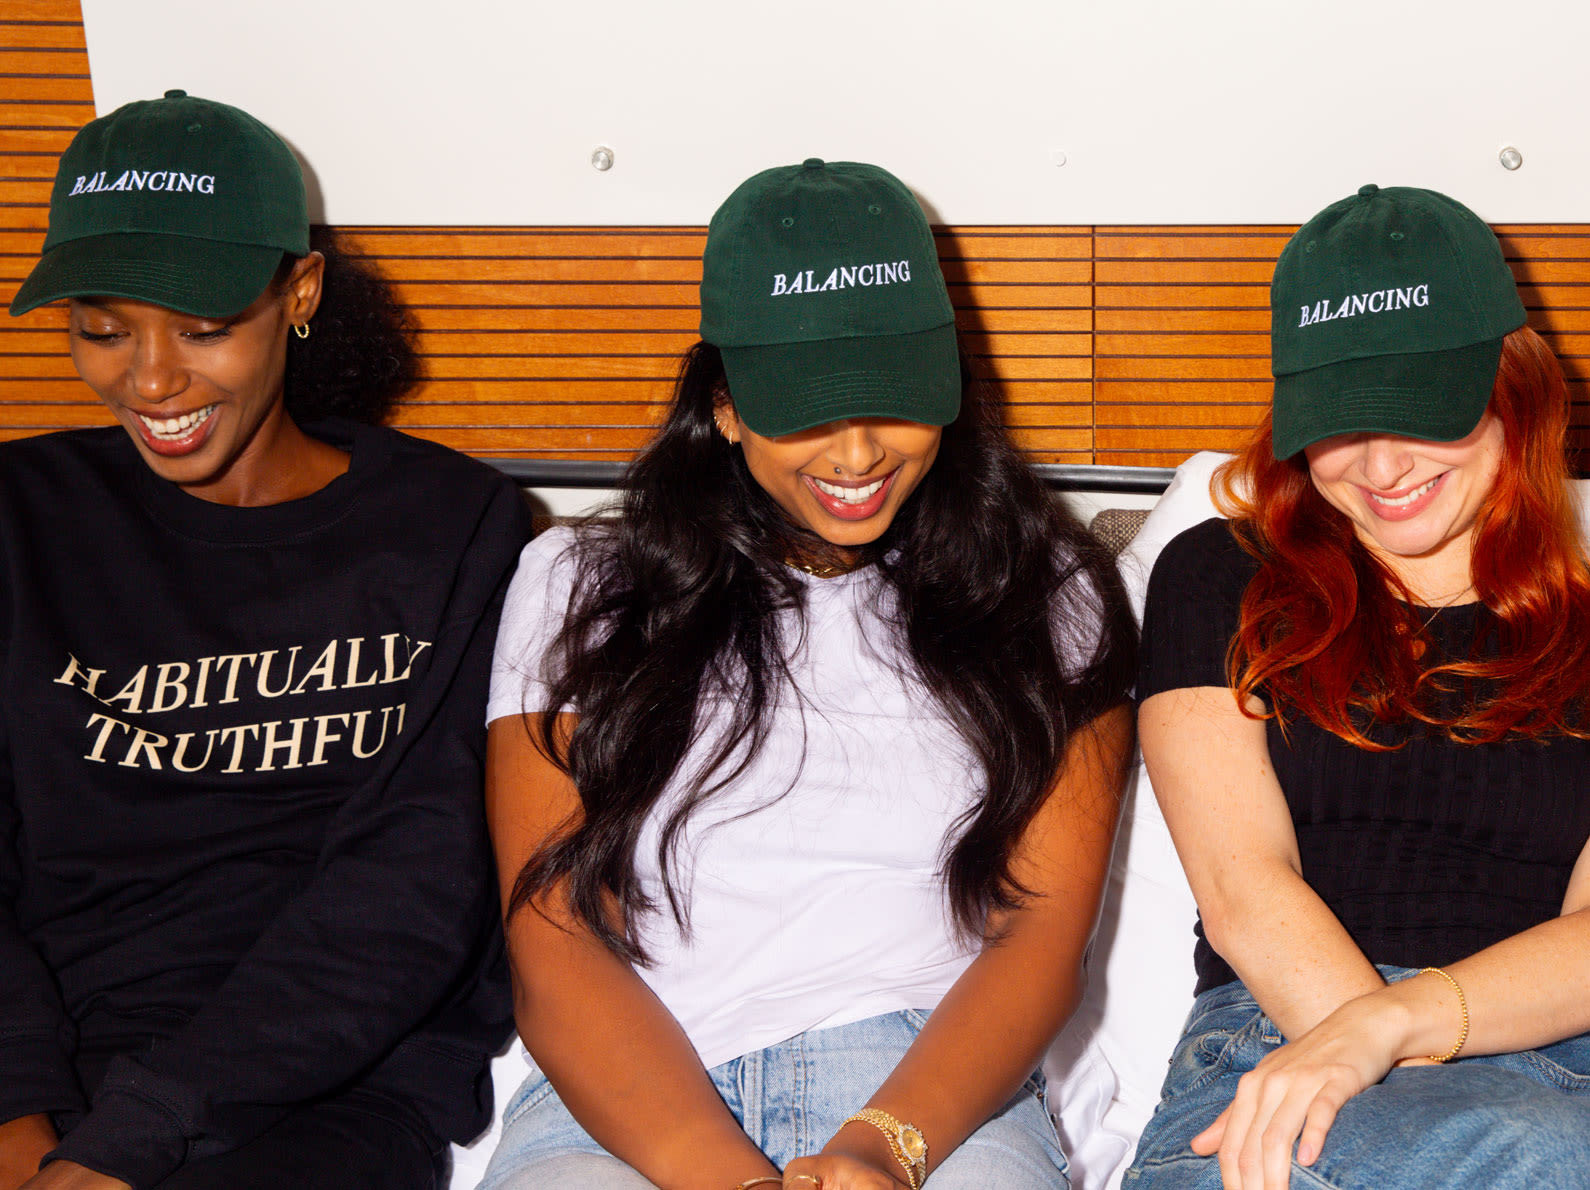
(906, 1142)
(1463, 1004)
(764, 1180)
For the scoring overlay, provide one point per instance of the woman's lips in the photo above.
(851, 509)
(1408, 503)
(179, 435)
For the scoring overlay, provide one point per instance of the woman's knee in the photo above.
(1017, 1150)
(569, 1171)
(1468, 1125)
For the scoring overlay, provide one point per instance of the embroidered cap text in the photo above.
(1378, 301)
(843, 277)
(145, 179)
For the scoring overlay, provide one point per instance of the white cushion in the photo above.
(1140, 977)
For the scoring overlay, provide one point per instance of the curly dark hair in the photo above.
(360, 357)
(996, 585)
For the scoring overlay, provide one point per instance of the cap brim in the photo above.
(203, 277)
(785, 387)
(1438, 396)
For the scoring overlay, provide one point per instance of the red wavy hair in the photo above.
(1329, 632)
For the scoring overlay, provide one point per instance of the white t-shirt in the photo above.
(821, 906)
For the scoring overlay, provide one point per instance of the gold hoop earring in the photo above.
(301, 329)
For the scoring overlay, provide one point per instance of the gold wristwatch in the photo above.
(906, 1142)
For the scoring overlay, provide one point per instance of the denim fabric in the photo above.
(1502, 1122)
(790, 1098)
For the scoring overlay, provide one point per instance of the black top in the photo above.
(1426, 854)
(243, 860)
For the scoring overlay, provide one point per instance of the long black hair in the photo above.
(683, 594)
(360, 357)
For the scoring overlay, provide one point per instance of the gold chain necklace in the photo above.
(1419, 647)
(820, 569)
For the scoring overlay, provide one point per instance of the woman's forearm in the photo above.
(1286, 946)
(994, 1025)
(615, 1054)
(621, 1063)
(1522, 993)
(985, 1038)
(23, 1143)
(1233, 832)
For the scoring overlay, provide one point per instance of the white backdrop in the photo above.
(1227, 111)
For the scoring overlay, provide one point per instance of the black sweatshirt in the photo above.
(243, 860)
(1425, 854)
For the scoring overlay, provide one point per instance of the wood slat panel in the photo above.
(30, 142)
(51, 102)
(58, 61)
(1184, 272)
(1025, 297)
(1192, 367)
(558, 270)
(1193, 244)
(1041, 320)
(1173, 413)
(1170, 322)
(27, 167)
(1182, 297)
(1192, 396)
(465, 320)
(573, 244)
(45, 96)
(1182, 349)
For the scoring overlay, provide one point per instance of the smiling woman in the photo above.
(843, 481)
(1413, 504)
(246, 929)
(1364, 715)
(203, 396)
(803, 773)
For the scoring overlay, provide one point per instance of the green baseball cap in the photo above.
(183, 202)
(821, 287)
(1387, 315)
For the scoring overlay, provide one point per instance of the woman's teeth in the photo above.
(850, 495)
(174, 429)
(1404, 501)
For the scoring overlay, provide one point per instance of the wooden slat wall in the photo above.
(1182, 321)
(45, 96)
(563, 342)
(1116, 345)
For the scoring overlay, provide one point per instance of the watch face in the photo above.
(913, 1144)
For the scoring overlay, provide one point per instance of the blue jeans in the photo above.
(1503, 1122)
(790, 1099)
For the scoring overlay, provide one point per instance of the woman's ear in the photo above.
(728, 421)
(302, 290)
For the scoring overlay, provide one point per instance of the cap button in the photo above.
(1366, 190)
(176, 93)
(813, 163)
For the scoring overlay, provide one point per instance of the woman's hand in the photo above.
(23, 1143)
(1294, 1093)
(836, 1171)
(857, 1158)
(68, 1175)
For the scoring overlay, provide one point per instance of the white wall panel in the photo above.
(1222, 111)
